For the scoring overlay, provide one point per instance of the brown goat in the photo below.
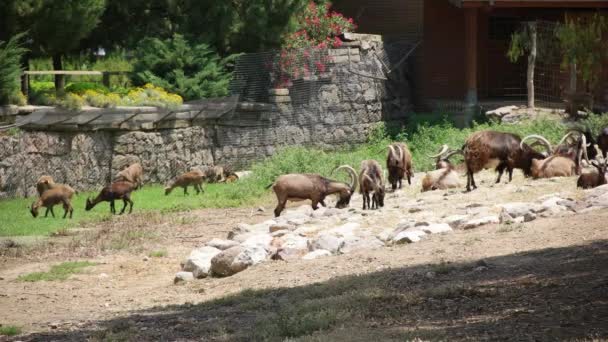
(602, 142)
(194, 178)
(563, 160)
(487, 149)
(115, 191)
(133, 174)
(44, 183)
(594, 179)
(299, 187)
(370, 180)
(59, 194)
(399, 164)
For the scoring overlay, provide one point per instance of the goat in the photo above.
(132, 174)
(591, 142)
(299, 187)
(370, 180)
(44, 183)
(117, 190)
(59, 194)
(445, 175)
(399, 164)
(561, 162)
(593, 179)
(214, 174)
(194, 178)
(602, 142)
(487, 149)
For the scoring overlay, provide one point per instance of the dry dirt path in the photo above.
(566, 256)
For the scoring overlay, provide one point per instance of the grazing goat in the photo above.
(561, 162)
(370, 180)
(487, 149)
(194, 178)
(593, 179)
(59, 194)
(399, 164)
(445, 176)
(602, 142)
(299, 187)
(115, 191)
(44, 183)
(133, 174)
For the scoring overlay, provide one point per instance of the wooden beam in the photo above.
(533, 4)
(470, 48)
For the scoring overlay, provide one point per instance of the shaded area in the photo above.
(548, 294)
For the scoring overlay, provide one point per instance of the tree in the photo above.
(526, 41)
(60, 25)
(10, 68)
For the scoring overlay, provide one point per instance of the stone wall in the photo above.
(334, 110)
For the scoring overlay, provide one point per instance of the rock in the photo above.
(236, 259)
(181, 277)
(332, 212)
(405, 224)
(261, 209)
(455, 220)
(101, 275)
(199, 261)
(386, 235)
(408, 236)
(517, 209)
(316, 254)
(480, 222)
(327, 242)
(320, 212)
(436, 228)
(240, 229)
(354, 243)
(146, 258)
(504, 217)
(344, 230)
(498, 113)
(221, 244)
(414, 210)
(529, 217)
(552, 203)
(261, 240)
(294, 241)
(599, 201)
(430, 275)
(422, 224)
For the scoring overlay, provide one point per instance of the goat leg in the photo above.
(112, 208)
(185, 190)
(52, 212)
(46, 212)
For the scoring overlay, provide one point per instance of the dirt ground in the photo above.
(542, 280)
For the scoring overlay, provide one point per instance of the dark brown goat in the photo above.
(399, 164)
(194, 178)
(593, 179)
(115, 191)
(299, 187)
(487, 149)
(370, 180)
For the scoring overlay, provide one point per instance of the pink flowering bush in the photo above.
(304, 50)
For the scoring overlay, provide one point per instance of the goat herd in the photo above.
(126, 181)
(482, 150)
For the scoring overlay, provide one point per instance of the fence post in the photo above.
(25, 86)
(106, 79)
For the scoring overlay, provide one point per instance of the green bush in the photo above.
(150, 95)
(72, 102)
(81, 87)
(101, 100)
(10, 68)
(192, 71)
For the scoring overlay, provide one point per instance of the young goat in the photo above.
(194, 178)
(59, 194)
(133, 174)
(110, 193)
(44, 183)
(370, 180)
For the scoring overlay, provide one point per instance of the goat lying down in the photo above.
(444, 176)
(562, 161)
(299, 187)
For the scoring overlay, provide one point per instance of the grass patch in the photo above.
(422, 138)
(158, 254)
(57, 272)
(9, 330)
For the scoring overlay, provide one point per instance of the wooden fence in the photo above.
(105, 76)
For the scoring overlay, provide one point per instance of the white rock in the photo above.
(436, 228)
(345, 230)
(386, 235)
(320, 212)
(480, 222)
(294, 241)
(409, 236)
(332, 211)
(316, 254)
(236, 259)
(241, 228)
(307, 230)
(552, 203)
(455, 220)
(252, 255)
(183, 277)
(261, 240)
(199, 261)
(355, 243)
(221, 243)
(517, 209)
(599, 201)
(326, 241)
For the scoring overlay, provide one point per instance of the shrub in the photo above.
(81, 87)
(101, 100)
(10, 68)
(192, 71)
(150, 95)
(72, 102)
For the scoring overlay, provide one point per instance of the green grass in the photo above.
(57, 272)
(158, 254)
(9, 330)
(423, 139)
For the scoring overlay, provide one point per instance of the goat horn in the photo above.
(444, 149)
(392, 151)
(352, 173)
(542, 139)
(374, 183)
(451, 153)
(400, 153)
(583, 151)
(566, 137)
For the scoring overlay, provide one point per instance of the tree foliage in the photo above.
(192, 71)
(10, 68)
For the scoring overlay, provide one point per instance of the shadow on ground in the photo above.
(549, 294)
